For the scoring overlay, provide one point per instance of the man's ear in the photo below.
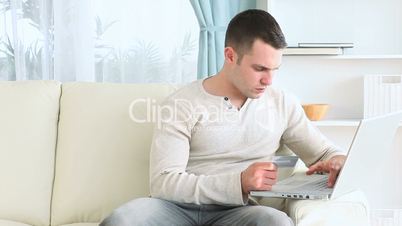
(230, 55)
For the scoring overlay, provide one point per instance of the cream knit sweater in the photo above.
(202, 143)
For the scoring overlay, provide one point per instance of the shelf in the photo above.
(374, 57)
(340, 123)
(353, 57)
(343, 123)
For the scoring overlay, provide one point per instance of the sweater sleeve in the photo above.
(168, 161)
(303, 138)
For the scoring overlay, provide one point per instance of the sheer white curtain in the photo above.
(105, 41)
(26, 39)
(74, 41)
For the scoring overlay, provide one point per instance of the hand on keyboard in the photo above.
(332, 166)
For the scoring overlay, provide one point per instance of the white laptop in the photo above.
(372, 140)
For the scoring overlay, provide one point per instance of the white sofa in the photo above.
(70, 154)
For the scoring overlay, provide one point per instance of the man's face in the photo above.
(256, 69)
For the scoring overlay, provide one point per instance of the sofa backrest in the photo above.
(28, 130)
(102, 148)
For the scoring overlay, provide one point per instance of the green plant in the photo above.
(8, 50)
(33, 60)
(102, 51)
(35, 51)
(179, 58)
(7, 62)
(125, 65)
(31, 12)
(143, 59)
(5, 5)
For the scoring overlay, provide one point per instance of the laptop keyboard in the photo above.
(316, 186)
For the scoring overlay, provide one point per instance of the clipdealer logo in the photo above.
(147, 110)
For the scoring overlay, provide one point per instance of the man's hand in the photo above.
(332, 166)
(258, 176)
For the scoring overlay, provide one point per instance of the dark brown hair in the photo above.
(250, 25)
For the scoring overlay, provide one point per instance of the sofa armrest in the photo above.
(349, 209)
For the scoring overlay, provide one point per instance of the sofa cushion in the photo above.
(11, 223)
(81, 224)
(102, 153)
(348, 209)
(28, 127)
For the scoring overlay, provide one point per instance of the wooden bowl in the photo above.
(315, 112)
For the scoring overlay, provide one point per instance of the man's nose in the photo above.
(266, 79)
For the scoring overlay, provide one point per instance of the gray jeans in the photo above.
(158, 212)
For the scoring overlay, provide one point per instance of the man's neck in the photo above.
(220, 85)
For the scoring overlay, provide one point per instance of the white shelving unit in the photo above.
(354, 57)
(375, 28)
(325, 123)
(340, 123)
(377, 49)
(346, 21)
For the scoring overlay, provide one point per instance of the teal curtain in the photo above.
(213, 17)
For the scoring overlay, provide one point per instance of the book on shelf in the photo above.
(312, 51)
(326, 44)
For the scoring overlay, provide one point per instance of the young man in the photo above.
(216, 137)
